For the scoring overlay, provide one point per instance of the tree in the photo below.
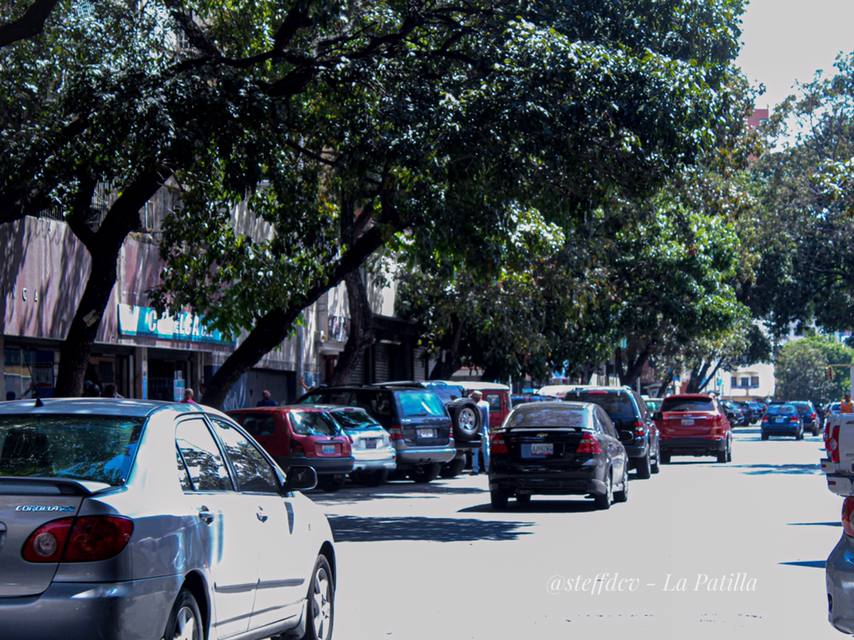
(27, 25)
(495, 108)
(801, 365)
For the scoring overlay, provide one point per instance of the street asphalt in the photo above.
(702, 550)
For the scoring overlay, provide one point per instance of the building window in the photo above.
(754, 382)
(733, 382)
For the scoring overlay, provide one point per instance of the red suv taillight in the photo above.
(396, 432)
(640, 430)
(497, 445)
(83, 539)
(833, 444)
(589, 445)
(847, 514)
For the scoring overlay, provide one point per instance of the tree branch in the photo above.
(28, 25)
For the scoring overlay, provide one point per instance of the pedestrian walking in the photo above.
(267, 399)
(483, 407)
(846, 406)
(188, 397)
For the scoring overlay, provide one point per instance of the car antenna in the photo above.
(39, 403)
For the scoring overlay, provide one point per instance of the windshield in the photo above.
(687, 404)
(539, 417)
(653, 405)
(93, 448)
(415, 404)
(354, 420)
(782, 410)
(617, 405)
(447, 392)
(312, 423)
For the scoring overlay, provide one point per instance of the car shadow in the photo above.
(394, 490)
(785, 469)
(811, 564)
(424, 529)
(815, 524)
(537, 506)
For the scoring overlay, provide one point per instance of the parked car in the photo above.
(525, 398)
(839, 574)
(831, 409)
(782, 419)
(628, 413)
(465, 417)
(748, 414)
(301, 436)
(734, 413)
(694, 424)
(808, 414)
(558, 448)
(373, 454)
(652, 404)
(416, 419)
(757, 410)
(148, 520)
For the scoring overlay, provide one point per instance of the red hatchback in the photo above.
(301, 436)
(693, 424)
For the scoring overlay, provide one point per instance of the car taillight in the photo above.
(813, 416)
(847, 515)
(833, 444)
(395, 431)
(764, 418)
(639, 428)
(83, 539)
(497, 445)
(589, 445)
(794, 419)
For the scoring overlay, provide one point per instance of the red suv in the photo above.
(693, 424)
(301, 436)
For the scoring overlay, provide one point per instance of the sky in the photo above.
(785, 41)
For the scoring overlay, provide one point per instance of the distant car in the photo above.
(558, 448)
(301, 436)
(782, 419)
(525, 398)
(734, 413)
(809, 415)
(757, 410)
(416, 419)
(831, 409)
(628, 413)
(373, 454)
(147, 520)
(694, 424)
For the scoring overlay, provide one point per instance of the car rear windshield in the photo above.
(687, 404)
(93, 448)
(417, 404)
(618, 406)
(313, 423)
(535, 417)
(782, 410)
(803, 407)
(447, 392)
(354, 419)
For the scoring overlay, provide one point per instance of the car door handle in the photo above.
(261, 515)
(206, 515)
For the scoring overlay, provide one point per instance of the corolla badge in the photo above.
(45, 508)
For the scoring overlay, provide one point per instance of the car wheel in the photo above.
(426, 472)
(644, 467)
(656, 463)
(729, 451)
(454, 468)
(815, 431)
(523, 499)
(330, 483)
(603, 501)
(498, 499)
(764, 436)
(321, 602)
(465, 417)
(185, 620)
(623, 496)
(665, 458)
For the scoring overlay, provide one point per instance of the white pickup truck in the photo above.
(839, 444)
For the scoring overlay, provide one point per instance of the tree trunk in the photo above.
(450, 360)
(361, 329)
(28, 25)
(635, 368)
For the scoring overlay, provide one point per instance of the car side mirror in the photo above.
(301, 479)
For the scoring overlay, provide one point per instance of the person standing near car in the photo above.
(266, 399)
(846, 406)
(483, 407)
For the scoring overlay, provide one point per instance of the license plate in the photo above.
(426, 434)
(370, 443)
(537, 450)
(329, 449)
(687, 422)
(779, 420)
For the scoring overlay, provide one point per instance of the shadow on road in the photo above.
(815, 524)
(537, 506)
(379, 529)
(403, 490)
(786, 469)
(811, 564)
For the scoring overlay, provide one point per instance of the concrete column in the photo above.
(140, 374)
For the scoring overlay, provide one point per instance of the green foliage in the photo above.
(800, 369)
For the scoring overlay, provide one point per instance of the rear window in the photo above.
(803, 408)
(93, 448)
(447, 392)
(618, 406)
(354, 419)
(312, 423)
(782, 410)
(419, 404)
(258, 425)
(687, 404)
(536, 417)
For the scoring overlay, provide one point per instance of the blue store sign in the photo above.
(184, 326)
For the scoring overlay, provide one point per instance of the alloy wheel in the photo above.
(322, 604)
(185, 627)
(467, 419)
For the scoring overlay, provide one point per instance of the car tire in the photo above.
(665, 458)
(723, 456)
(321, 602)
(603, 501)
(330, 484)
(185, 619)
(644, 467)
(498, 499)
(815, 431)
(454, 468)
(426, 472)
(623, 496)
(466, 418)
(523, 500)
(764, 436)
(656, 463)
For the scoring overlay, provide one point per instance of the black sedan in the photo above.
(558, 448)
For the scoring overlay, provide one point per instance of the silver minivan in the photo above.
(137, 520)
